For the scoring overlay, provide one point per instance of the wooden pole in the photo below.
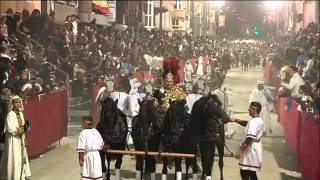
(143, 153)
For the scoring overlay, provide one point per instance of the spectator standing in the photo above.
(263, 96)
(295, 82)
(14, 162)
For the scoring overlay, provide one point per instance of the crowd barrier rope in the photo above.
(48, 117)
(302, 131)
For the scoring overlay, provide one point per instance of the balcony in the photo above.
(179, 13)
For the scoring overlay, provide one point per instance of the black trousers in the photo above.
(248, 175)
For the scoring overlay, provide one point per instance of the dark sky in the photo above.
(247, 10)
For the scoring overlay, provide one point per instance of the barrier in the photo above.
(303, 136)
(48, 116)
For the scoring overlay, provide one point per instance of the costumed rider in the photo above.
(169, 89)
(132, 105)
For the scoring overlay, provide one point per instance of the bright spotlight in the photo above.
(272, 5)
(219, 4)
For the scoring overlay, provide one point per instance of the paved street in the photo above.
(60, 162)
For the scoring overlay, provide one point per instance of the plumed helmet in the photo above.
(172, 70)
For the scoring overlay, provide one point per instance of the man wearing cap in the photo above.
(262, 96)
(14, 162)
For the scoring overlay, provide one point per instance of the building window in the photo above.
(149, 14)
(179, 4)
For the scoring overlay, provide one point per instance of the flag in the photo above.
(100, 7)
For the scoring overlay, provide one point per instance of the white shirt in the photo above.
(295, 82)
(191, 99)
(252, 157)
(258, 96)
(121, 97)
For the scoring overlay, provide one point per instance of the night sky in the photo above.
(249, 11)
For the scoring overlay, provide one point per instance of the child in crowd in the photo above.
(89, 144)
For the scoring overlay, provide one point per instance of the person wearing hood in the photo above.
(14, 162)
(263, 96)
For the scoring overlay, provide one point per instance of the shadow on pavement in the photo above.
(285, 159)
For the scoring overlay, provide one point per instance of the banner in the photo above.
(222, 20)
(101, 7)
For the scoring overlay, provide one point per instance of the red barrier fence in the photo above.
(303, 137)
(48, 116)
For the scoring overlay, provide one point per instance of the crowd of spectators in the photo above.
(89, 53)
(296, 59)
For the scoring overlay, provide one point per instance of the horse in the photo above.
(207, 122)
(175, 138)
(146, 135)
(113, 129)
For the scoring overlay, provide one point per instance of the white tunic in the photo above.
(121, 97)
(252, 157)
(188, 69)
(191, 99)
(12, 166)
(200, 67)
(90, 142)
(260, 97)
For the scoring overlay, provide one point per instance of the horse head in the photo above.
(112, 119)
(109, 105)
(148, 122)
(175, 120)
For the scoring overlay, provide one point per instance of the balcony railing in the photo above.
(179, 13)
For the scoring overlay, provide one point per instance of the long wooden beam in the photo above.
(150, 153)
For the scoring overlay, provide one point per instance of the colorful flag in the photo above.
(100, 7)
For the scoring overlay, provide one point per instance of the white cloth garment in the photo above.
(90, 142)
(200, 66)
(252, 157)
(295, 82)
(188, 69)
(14, 162)
(261, 97)
(191, 99)
(121, 97)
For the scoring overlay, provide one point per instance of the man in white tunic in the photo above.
(200, 67)
(89, 144)
(132, 105)
(188, 70)
(261, 95)
(15, 163)
(250, 153)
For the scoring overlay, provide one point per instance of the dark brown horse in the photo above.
(175, 138)
(207, 122)
(113, 129)
(146, 135)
